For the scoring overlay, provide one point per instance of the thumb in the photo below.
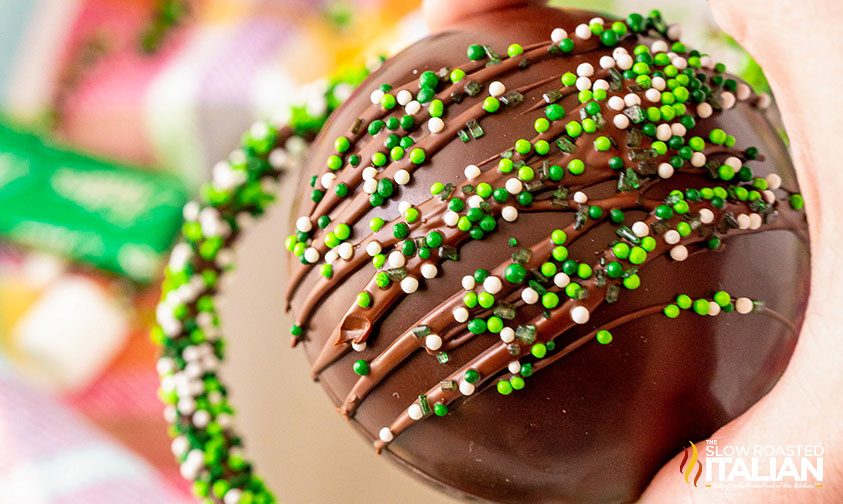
(442, 14)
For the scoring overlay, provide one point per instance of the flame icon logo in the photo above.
(686, 467)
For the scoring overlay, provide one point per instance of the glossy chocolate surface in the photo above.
(596, 424)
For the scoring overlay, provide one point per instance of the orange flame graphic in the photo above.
(686, 467)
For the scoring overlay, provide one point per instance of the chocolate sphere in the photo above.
(488, 352)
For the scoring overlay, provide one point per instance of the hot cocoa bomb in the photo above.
(536, 254)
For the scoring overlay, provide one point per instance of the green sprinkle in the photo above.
(491, 104)
(603, 337)
(701, 307)
(671, 311)
(475, 52)
(554, 112)
(504, 387)
(514, 50)
(539, 350)
(361, 367)
(417, 156)
(364, 299)
(457, 75)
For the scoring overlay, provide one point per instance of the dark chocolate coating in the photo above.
(596, 425)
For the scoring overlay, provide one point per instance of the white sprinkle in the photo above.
(529, 295)
(396, 259)
(410, 285)
(641, 229)
(468, 282)
(707, 62)
(403, 97)
(514, 186)
(624, 61)
(764, 101)
(311, 255)
(327, 180)
(706, 216)
(743, 305)
(616, 103)
(429, 270)
(666, 170)
(346, 250)
(191, 211)
(475, 200)
(412, 108)
(509, 213)
(607, 62)
(304, 225)
(728, 100)
(466, 388)
(713, 309)
(492, 284)
(774, 181)
(674, 31)
(679, 62)
(201, 419)
(433, 342)
(331, 256)
(403, 206)
(460, 314)
(672, 237)
(755, 221)
(370, 186)
(436, 125)
(451, 218)
(376, 96)
(621, 121)
(659, 46)
(402, 177)
(659, 83)
(596, 20)
(415, 412)
(678, 129)
(561, 280)
(496, 88)
(514, 367)
(369, 173)
(632, 99)
(582, 31)
(600, 84)
(558, 35)
(743, 92)
(179, 446)
(386, 435)
(471, 172)
(507, 335)
(679, 253)
(580, 314)
(704, 110)
(358, 347)
(769, 196)
(743, 221)
(580, 197)
(653, 94)
(279, 158)
(698, 159)
(373, 248)
(663, 132)
(583, 83)
(585, 70)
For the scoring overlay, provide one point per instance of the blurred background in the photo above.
(111, 115)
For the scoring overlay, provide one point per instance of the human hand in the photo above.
(798, 49)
